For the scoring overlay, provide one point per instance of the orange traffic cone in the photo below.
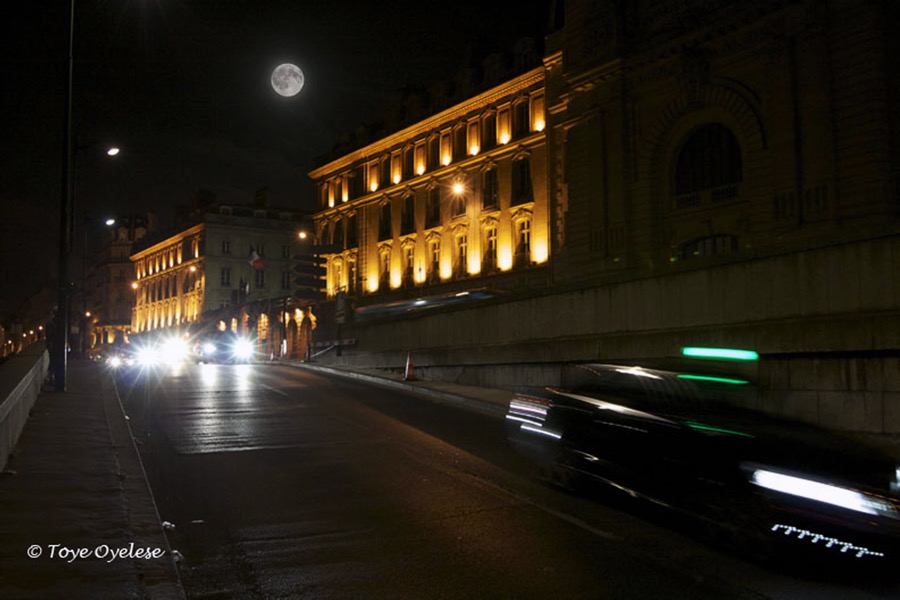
(409, 375)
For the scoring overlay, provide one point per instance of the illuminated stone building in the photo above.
(109, 295)
(706, 172)
(449, 202)
(202, 277)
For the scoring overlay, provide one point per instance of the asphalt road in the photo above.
(282, 483)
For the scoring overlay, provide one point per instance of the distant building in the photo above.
(230, 269)
(109, 297)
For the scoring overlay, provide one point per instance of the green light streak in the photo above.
(711, 378)
(702, 427)
(726, 353)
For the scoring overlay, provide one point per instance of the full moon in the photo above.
(287, 80)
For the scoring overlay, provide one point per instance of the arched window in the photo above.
(708, 168)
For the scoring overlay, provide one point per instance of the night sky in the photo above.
(183, 88)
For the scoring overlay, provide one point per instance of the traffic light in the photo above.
(309, 277)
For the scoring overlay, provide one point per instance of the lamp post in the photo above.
(59, 358)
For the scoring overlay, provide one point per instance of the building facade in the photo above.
(716, 173)
(109, 297)
(448, 202)
(232, 270)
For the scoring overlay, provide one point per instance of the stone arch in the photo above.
(723, 102)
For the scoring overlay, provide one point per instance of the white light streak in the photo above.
(819, 492)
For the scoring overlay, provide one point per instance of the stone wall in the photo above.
(825, 322)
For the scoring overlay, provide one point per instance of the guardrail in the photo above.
(21, 379)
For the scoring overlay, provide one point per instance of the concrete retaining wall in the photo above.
(825, 321)
(21, 379)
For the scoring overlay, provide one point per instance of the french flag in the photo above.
(255, 259)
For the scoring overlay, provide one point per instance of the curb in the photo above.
(156, 580)
(417, 388)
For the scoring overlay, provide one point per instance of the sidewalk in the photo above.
(74, 493)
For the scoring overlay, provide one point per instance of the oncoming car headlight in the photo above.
(148, 356)
(243, 349)
(174, 351)
(827, 493)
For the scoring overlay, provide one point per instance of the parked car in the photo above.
(684, 442)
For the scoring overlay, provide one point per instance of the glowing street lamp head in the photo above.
(302, 235)
(458, 188)
(114, 151)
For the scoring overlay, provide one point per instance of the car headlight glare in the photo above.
(175, 350)
(824, 492)
(243, 349)
(148, 356)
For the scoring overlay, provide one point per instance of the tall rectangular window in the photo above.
(474, 138)
(351, 276)
(434, 248)
(408, 219)
(384, 223)
(226, 247)
(537, 113)
(523, 241)
(489, 132)
(490, 190)
(521, 181)
(419, 158)
(352, 232)
(433, 208)
(337, 236)
(504, 128)
(398, 172)
(434, 152)
(462, 253)
(408, 162)
(225, 277)
(458, 204)
(409, 262)
(285, 280)
(490, 253)
(260, 276)
(460, 147)
(385, 263)
(521, 121)
(446, 148)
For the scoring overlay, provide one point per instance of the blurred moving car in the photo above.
(683, 442)
(224, 347)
